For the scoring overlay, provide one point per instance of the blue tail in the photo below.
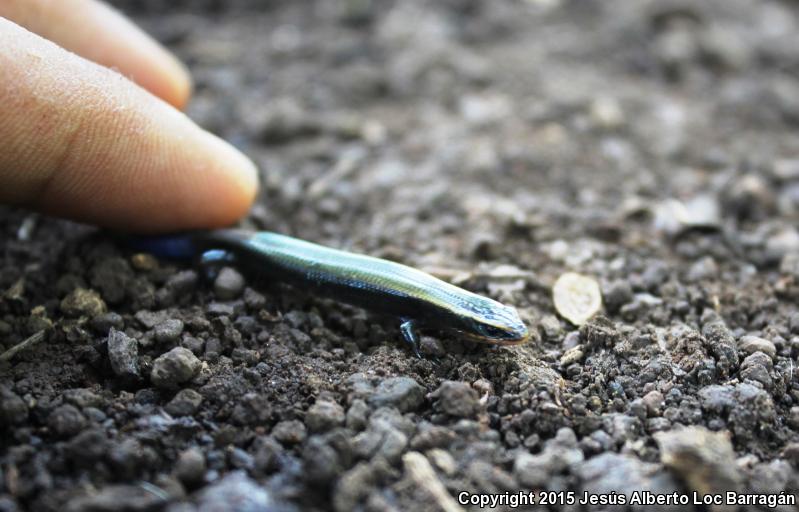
(178, 247)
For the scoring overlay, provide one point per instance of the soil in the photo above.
(651, 146)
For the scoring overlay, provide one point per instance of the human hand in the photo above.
(82, 141)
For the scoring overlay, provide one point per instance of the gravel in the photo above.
(66, 421)
(173, 368)
(228, 284)
(404, 393)
(123, 353)
(184, 403)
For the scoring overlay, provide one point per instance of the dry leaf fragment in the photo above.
(577, 297)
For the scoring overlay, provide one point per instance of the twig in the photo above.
(32, 340)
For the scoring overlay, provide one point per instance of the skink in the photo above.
(417, 298)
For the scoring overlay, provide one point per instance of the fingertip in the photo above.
(102, 34)
(136, 55)
(235, 187)
(171, 81)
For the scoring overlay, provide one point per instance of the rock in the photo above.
(184, 403)
(791, 453)
(421, 475)
(113, 498)
(705, 268)
(87, 447)
(229, 284)
(144, 262)
(83, 302)
(786, 169)
(252, 409)
(654, 403)
(107, 321)
(559, 454)
(793, 417)
(269, 454)
(457, 399)
(180, 284)
(703, 459)
(357, 415)
(756, 367)
(112, 276)
(404, 393)
(748, 196)
(752, 344)
(324, 415)
(289, 432)
(123, 354)
(576, 297)
(190, 467)
(353, 486)
(321, 461)
(380, 439)
(621, 427)
(781, 243)
(721, 343)
(606, 113)
(617, 294)
(13, 409)
(177, 366)
(235, 491)
(573, 355)
(789, 265)
(168, 331)
(66, 421)
(219, 309)
(82, 398)
(702, 212)
(770, 477)
(431, 437)
(149, 319)
(128, 457)
(624, 474)
(599, 332)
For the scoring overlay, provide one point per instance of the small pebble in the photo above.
(752, 344)
(324, 415)
(235, 491)
(190, 467)
(107, 321)
(13, 409)
(654, 402)
(573, 355)
(66, 421)
(123, 354)
(144, 262)
(229, 284)
(617, 294)
(83, 302)
(704, 460)
(457, 399)
(168, 331)
(357, 415)
(289, 432)
(404, 393)
(219, 309)
(177, 366)
(184, 403)
(793, 417)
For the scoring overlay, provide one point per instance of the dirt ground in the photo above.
(649, 145)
